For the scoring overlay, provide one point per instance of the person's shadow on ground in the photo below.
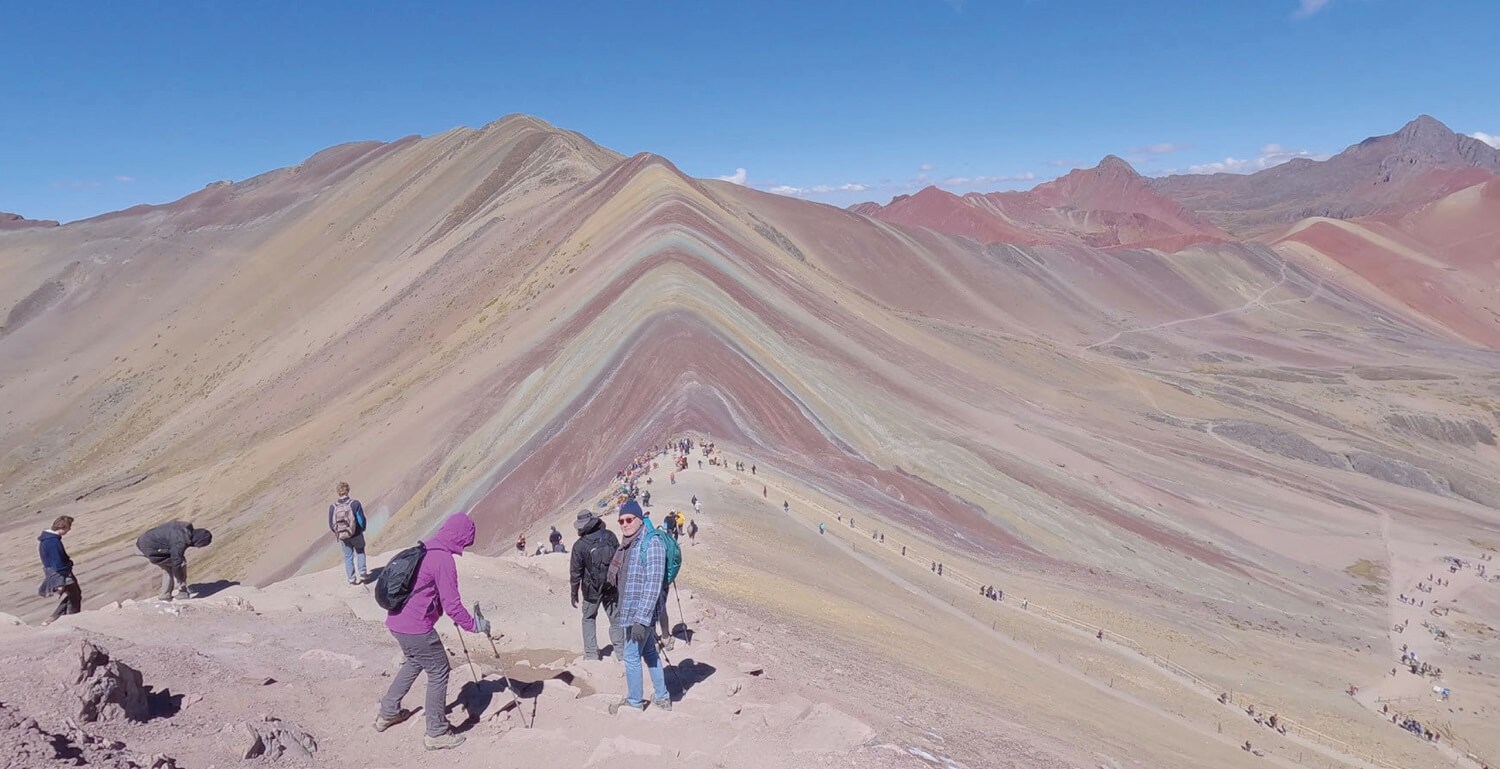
(206, 589)
(688, 673)
(475, 699)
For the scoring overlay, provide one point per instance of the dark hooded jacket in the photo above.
(54, 555)
(168, 543)
(592, 552)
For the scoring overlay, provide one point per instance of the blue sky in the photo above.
(103, 106)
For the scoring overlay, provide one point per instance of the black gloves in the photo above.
(638, 634)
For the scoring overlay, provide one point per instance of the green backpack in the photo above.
(674, 553)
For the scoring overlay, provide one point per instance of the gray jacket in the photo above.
(168, 543)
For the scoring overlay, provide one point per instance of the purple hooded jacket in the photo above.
(436, 589)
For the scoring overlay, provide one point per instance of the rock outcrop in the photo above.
(107, 689)
(26, 743)
(1466, 432)
(273, 739)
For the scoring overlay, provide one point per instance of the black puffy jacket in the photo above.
(590, 565)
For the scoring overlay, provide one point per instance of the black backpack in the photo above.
(601, 550)
(394, 585)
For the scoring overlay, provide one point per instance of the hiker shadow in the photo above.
(374, 574)
(162, 703)
(688, 673)
(476, 698)
(206, 589)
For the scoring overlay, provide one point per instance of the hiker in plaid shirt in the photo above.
(638, 571)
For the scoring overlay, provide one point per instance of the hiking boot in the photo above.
(664, 703)
(449, 740)
(382, 723)
(624, 704)
(592, 658)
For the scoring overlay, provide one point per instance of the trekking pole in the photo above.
(662, 650)
(513, 698)
(678, 592)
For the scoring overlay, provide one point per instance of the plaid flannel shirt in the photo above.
(645, 567)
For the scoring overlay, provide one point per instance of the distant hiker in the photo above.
(346, 519)
(694, 501)
(940, 570)
(882, 538)
(1100, 634)
(697, 506)
(752, 469)
(646, 497)
(540, 550)
(555, 537)
(588, 575)
(671, 523)
(434, 592)
(762, 492)
(57, 570)
(672, 476)
(693, 532)
(903, 551)
(166, 548)
(521, 544)
(822, 529)
(638, 571)
(786, 507)
(840, 516)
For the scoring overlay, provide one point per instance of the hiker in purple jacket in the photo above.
(434, 593)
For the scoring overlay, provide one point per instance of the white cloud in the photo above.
(853, 187)
(1270, 155)
(1163, 148)
(925, 167)
(971, 181)
(124, 179)
(1491, 139)
(1310, 7)
(738, 177)
(786, 189)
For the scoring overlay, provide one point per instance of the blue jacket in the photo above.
(54, 555)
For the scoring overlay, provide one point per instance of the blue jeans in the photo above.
(354, 549)
(633, 654)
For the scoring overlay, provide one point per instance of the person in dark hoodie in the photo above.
(166, 548)
(592, 553)
(57, 570)
(434, 593)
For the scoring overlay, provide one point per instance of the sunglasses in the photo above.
(628, 518)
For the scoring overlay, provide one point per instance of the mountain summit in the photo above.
(1394, 173)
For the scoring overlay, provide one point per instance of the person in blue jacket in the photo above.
(57, 570)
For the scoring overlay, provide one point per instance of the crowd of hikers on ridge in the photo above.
(628, 576)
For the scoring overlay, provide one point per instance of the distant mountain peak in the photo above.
(18, 222)
(1115, 164)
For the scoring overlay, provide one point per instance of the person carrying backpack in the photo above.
(671, 522)
(346, 519)
(588, 574)
(555, 539)
(693, 532)
(57, 570)
(638, 571)
(434, 592)
(165, 546)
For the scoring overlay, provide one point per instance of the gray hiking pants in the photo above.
(591, 628)
(423, 653)
(172, 578)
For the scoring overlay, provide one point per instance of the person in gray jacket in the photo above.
(166, 548)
